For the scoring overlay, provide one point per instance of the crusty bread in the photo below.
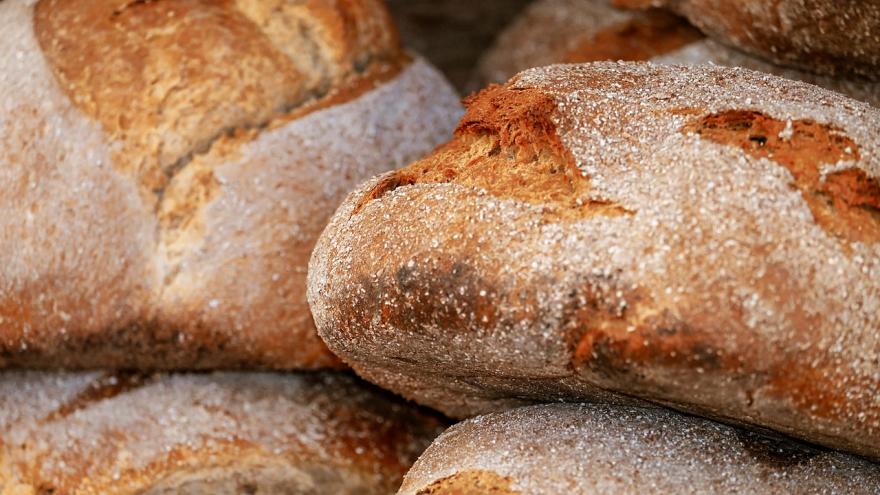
(165, 168)
(702, 237)
(570, 31)
(593, 449)
(832, 37)
(235, 433)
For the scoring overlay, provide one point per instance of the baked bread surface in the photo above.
(575, 31)
(235, 433)
(831, 37)
(594, 449)
(701, 237)
(167, 166)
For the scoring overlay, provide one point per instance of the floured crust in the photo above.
(596, 449)
(213, 433)
(169, 226)
(738, 283)
(831, 37)
(570, 31)
(573, 31)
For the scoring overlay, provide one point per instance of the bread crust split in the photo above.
(167, 166)
(594, 449)
(576, 31)
(706, 238)
(236, 433)
(831, 37)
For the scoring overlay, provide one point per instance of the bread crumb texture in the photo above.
(253, 433)
(741, 281)
(593, 449)
(167, 168)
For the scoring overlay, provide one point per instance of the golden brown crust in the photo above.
(170, 164)
(470, 482)
(565, 31)
(831, 37)
(273, 58)
(314, 433)
(740, 284)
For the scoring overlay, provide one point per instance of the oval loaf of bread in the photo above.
(832, 37)
(702, 237)
(573, 31)
(235, 433)
(588, 449)
(165, 168)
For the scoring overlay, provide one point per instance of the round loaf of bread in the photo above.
(832, 37)
(165, 168)
(571, 31)
(588, 449)
(702, 237)
(221, 433)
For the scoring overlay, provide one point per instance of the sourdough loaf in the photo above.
(703, 237)
(570, 31)
(236, 433)
(582, 449)
(832, 37)
(165, 168)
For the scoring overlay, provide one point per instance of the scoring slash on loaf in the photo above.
(706, 238)
(831, 37)
(589, 449)
(243, 433)
(573, 31)
(165, 168)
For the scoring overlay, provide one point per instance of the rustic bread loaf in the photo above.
(833, 37)
(568, 31)
(236, 433)
(165, 168)
(702, 237)
(595, 449)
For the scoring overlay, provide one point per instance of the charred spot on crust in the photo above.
(506, 145)
(471, 482)
(845, 203)
(646, 36)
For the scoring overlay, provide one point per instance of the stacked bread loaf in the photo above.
(687, 256)
(649, 237)
(165, 168)
(568, 31)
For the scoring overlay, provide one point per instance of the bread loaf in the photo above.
(832, 37)
(702, 237)
(165, 168)
(235, 433)
(595, 449)
(570, 31)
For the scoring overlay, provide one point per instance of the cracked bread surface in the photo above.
(727, 264)
(831, 37)
(574, 31)
(590, 449)
(255, 433)
(167, 166)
